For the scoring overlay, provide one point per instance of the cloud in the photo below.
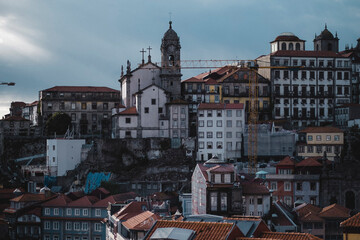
(17, 42)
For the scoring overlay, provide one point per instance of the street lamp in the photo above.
(7, 83)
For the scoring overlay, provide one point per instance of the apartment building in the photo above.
(220, 129)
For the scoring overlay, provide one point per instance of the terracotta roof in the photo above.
(321, 130)
(80, 89)
(18, 104)
(287, 38)
(289, 236)
(203, 230)
(254, 188)
(311, 217)
(221, 106)
(309, 162)
(229, 168)
(33, 210)
(29, 197)
(335, 211)
(354, 221)
(86, 201)
(305, 208)
(287, 161)
(129, 111)
(211, 81)
(194, 80)
(14, 118)
(143, 221)
(61, 200)
(131, 210)
(118, 198)
(294, 53)
(33, 103)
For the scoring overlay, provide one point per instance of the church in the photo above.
(151, 96)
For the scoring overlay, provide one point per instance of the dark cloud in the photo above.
(84, 42)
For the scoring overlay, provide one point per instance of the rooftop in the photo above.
(354, 221)
(80, 89)
(321, 130)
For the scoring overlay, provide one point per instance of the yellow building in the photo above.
(314, 141)
(351, 228)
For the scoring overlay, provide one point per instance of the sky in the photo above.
(46, 43)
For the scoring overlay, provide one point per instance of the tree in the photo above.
(58, 123)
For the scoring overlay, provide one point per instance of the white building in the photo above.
(256, 199)
(63, 155)
(152, 116)
(220, 127)
(307, 96)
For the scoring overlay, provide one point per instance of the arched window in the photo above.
(283, 46)
(291, 46)
(329, 47)
(317, 47)
(171, 60)
(350, 199)
(297, 46)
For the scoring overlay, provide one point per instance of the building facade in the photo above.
(220, 129)
(315, 141)
(215, 189)
(88, 107)
(307, 85)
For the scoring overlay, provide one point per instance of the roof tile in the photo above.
(80, 89)
(354, 221)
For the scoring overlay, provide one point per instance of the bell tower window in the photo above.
(329, 47)
(283, 46)
(171, 60)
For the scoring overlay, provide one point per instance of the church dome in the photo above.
(325, 35)
(170, 34)
(287, 36)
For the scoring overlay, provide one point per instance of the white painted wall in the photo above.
(63, 155)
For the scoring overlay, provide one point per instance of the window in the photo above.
(209, 134)
(299, 186)
(238, 123)
(287, 200)
(146, 110)
(218, 113)
(277, 74)
(313, 186)
(153, 101)
(49, 105)
(287, 186)
(201, 134)
(219, 123)
(73, 117)
(318, 149)
(84, 226)
(219, 145)
(229, 146)
(77, 226)
(251, 201)
(201, 145)
(77, 212)
(97, 227)
(105, 106)
(201, 113)
(201, 123)
(47, 211)
(228, 123)
(85, 212)
(68, 211)
(160, 110)
(273, 186)
(127, 120)
(218, 134)
(310, 137)
(62, 106)
(46, 225)
(209, 123)
(229, 113)
(228, 134)
(56, 211)
(310, 149)
(209, 145)
(337, 138)
(56, 225)
(55, 237)
(68, 226)
(209, 113)
(213, 201)
(318, 137)
(94, 105)
(238, 113)
(223, 201)
(286, 74)
(83, 106)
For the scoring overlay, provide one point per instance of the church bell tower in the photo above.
(170, 63)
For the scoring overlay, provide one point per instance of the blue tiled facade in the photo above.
(73, 223)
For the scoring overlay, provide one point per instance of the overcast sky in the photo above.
(46, 43)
